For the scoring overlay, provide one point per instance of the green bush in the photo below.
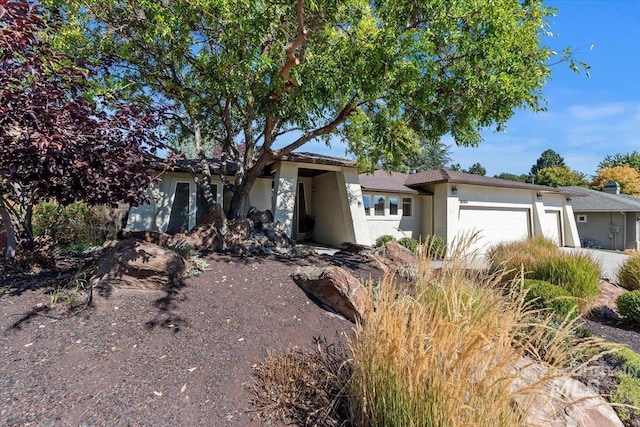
(629, 272)
(409, 243)
(629, 306)
(380, 241)
(434, 246)
(578, 274)
(76, 225)
(543, 295)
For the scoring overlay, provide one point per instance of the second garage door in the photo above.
(493, 225)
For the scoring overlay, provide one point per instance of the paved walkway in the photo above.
(609, 261)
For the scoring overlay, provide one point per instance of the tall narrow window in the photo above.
(303, 223)
(366, 202)
(179, 217)
(407, 206)
(202, 207)
(379, 206)
(393, 206)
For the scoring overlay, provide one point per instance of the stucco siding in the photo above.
(597, 230)
(329, 225)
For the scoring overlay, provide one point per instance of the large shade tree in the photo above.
(259, 79)
(54, 141)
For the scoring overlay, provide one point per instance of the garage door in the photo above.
(494, 225)
(552, 228)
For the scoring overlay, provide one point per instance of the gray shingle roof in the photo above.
(599, 201)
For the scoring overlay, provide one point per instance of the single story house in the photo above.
(607, 219)
(325, 199)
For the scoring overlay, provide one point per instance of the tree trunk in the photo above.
(27, 225)
(11, 233)
(242, 189)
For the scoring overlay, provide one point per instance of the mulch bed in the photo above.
(177, 357)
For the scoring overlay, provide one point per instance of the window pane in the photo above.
(179, 216)
(406, 206)
(379, 206)
(366, 202)
(393, 206)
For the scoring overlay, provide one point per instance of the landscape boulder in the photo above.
(137, 264)
(395, 255)
(259, 217)
(564, 401)
(336, 288)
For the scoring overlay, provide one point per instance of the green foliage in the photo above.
(547, 159)
(380, 241)
(628, 388)
(409, 243)
(631, 159)
(77, 224)
(543, 295)
(513, 177)
(629, 272)
(579, 274)
(477, 169)
(432, 155)
(559, 176)
(629, 306)
(434, 246)
(383, 76)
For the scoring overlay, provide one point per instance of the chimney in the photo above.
(611, 188)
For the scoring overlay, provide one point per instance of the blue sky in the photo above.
(586, 118)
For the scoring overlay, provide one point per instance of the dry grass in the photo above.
(513, 258)
(302, 388)
(446, 356)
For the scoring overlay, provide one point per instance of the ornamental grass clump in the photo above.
(578, 274)
(521, 257)
(629, 272)
(445, 355)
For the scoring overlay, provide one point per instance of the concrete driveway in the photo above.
(609, 261)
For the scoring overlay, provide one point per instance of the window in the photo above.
(393, 206)
(407, 205)
(582, 218)
(379, 205)
(179, 216)
(366, 201)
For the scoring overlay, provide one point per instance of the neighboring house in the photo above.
(607, 219)
(324, 198)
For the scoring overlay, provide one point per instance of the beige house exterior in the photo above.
(342, 206)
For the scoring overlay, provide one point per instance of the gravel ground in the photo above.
(156, 358)
(153, 357)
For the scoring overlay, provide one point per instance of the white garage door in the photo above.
(494, 225)
(551, 229)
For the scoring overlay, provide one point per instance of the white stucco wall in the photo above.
(260, 195)
(330, 228)
(398, 226)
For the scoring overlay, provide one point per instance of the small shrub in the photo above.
(544, 295)
(629, 272)
(380, 241)
(434, 247)
(578, 274)
(409, 243)
(629, 306)
(627, 392)
(77, 225)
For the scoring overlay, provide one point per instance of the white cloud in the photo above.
(588, 112)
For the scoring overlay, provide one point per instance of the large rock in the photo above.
(259, 217)
(137, 264)
(395, 255)
(336, 288)
(564, 401)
